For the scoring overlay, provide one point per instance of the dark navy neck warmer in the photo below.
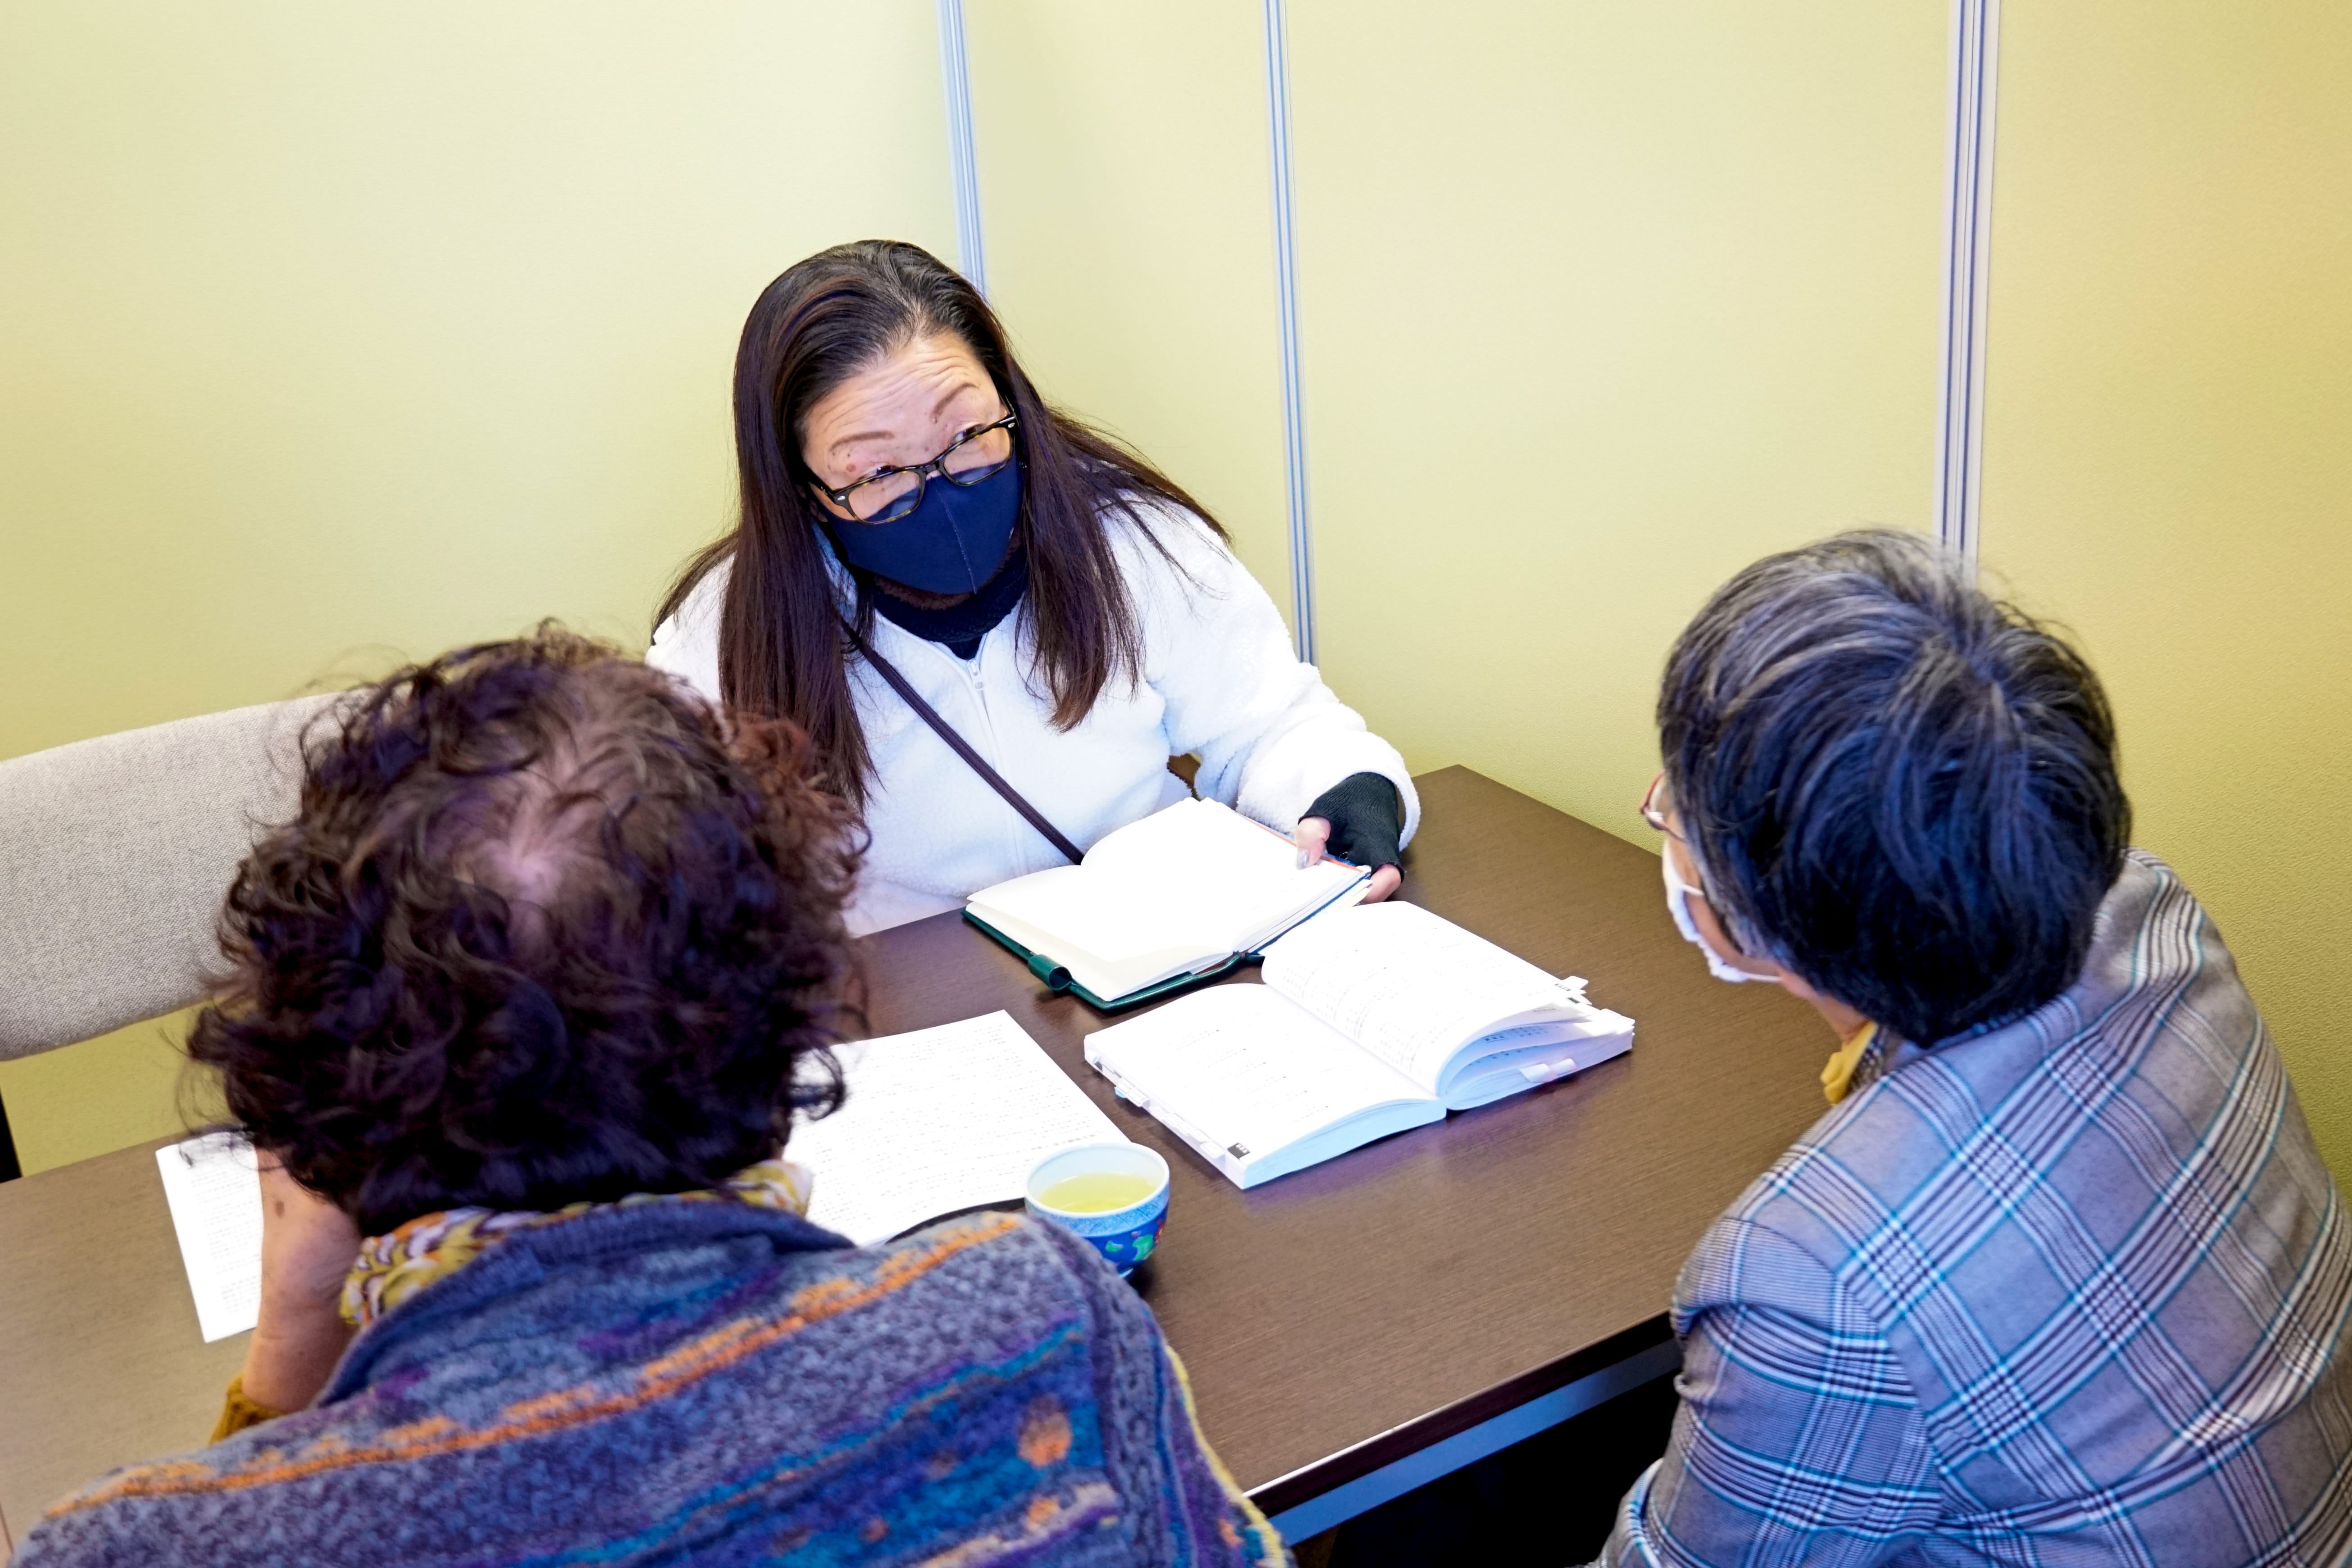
(960, 626)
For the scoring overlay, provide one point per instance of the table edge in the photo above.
(1310, 1480)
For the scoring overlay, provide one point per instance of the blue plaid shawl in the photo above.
(2075, 1290)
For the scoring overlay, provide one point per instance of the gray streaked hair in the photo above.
(1902, 789)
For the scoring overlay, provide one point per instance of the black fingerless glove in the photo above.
(1366, 817)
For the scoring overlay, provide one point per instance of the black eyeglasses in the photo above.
(886, 495)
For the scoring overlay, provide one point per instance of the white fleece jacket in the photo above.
(1220, 683)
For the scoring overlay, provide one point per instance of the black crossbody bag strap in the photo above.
(963, 748)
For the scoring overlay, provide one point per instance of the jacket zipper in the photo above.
(1014, 827)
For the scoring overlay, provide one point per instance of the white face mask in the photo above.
(1678, 896)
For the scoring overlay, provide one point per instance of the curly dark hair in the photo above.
(547, 927)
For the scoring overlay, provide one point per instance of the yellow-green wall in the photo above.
(1598, 303)
(1129, 235)
(1601, 302)
(2168, 448)
(122, 1089)
(333, 334)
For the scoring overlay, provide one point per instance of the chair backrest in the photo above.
(114, 856)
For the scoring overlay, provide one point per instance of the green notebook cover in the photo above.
(1056, 978)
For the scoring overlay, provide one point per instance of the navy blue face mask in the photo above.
(950, 543)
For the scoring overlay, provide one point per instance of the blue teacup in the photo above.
(1113, 1194)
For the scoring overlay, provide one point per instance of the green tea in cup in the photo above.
(1097, 1192)
(1115, 1195)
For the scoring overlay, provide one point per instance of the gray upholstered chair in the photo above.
(114, 855)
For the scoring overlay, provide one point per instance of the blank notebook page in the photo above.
(1214, 871)
(1113, 919)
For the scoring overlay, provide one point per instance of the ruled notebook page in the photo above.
(215, 1193)
(938, 1121)
(1244, 1074)
(1408, 986)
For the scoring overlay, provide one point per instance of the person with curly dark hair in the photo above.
(522, 1005)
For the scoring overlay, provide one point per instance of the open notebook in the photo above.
(1372, 1020)
(1182, 895)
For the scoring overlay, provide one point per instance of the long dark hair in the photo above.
(782, 652)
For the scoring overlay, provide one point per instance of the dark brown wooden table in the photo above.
(1349, 1330)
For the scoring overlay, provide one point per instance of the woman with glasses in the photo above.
(920, 530)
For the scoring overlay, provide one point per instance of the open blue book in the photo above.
(1178, 897)
(1372, 1020)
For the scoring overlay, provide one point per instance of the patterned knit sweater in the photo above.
(712, 1384)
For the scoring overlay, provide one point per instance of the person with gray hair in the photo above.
(2059, 1278)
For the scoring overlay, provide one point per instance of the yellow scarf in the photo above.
(1837, 1074)
(395, 1266)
